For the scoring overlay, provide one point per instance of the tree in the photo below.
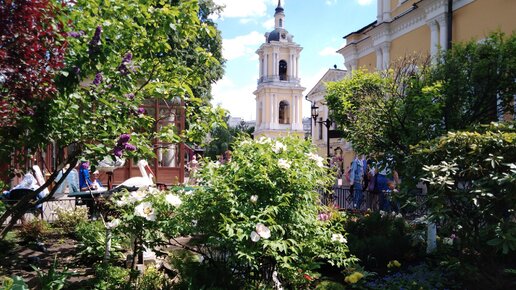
(31, 53)
(223, 136)
(121, 54)
(390, 111)
(386, 112)
(477, 80)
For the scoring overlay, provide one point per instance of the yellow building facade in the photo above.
(279, 92)
(405, 27)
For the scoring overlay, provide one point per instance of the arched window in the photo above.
(283, 70)
(284, 113)
(281, 22)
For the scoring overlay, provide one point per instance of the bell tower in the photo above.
(279, 92)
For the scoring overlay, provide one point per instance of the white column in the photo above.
(293, 113)
(263, 120)
(386, 10)
(266, 69)
(443, 33)
(297, 67)
(386, 55)
(272, 120)
(379, 58)
(260, 73)
(290, 66)
(434, 39)
(379, 11)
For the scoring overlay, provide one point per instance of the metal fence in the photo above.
(342, 197)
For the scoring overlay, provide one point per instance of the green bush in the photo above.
(91, 237)
(34, 230)
(377, 238)
(53, 279)
(153, 279)
(112, 277)
(68, 219)
(258, 214)
(329, 285)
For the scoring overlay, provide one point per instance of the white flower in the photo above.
(283, 163)
(399, 215)
(263, 231)
(255, 237)
(338, 238)
(139, 195)
(245, 142)
(278, 147)
(113, 224)
(254, 198)
(318, 159)
(125, 200)
(145, 210)
(173, 199)
(263, 140)
(189, 192)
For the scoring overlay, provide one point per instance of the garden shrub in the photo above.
(110, 277)
(257, 215)
(153, 279)
(68, 219)
(377, 238)
(91, 237)
(472, 186)
(34, 230)
(329, 285)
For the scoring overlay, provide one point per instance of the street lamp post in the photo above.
(315, 113)
(327, 124)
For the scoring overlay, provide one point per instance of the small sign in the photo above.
(339, 182)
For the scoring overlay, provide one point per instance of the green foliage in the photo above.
(13, 283)
(258, 213)
(34, 230)
(222, 138)
(386, 112)
(377, 238)
(476, 78)
(472, 185)
(91, 237)
(68, 219)
(329, 285)
(53, 279)
(153, 279)
(112, 277)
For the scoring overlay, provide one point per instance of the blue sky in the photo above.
(317, 25)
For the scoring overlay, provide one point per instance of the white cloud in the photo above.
(237, 99)
(239, 8)
(269, 24)
(242, 45)
(328, 51)
(331, 2)
(364, 2)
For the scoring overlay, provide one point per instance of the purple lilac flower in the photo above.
(124, 138)
(95, 41)
(74, 34)
(122, 68)
(140, 111)
(130, 96)
(117, 151)
(127, 58)
(77, 70)
(129, 147)
(98, 79)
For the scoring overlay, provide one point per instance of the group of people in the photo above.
(377, 178)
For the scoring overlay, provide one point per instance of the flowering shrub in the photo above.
(378, 237)
(68, 219)
(257, 215)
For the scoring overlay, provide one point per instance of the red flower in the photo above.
(308, 277)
